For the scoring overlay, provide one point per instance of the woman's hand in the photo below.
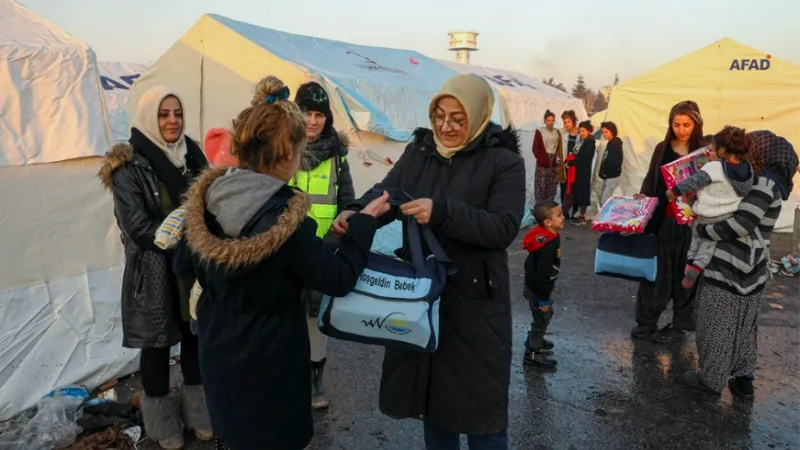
(557, 160)
(670, 195)
(639, 196)
(340, 224)
(419, 209)
(378, 206)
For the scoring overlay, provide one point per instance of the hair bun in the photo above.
(266, 87)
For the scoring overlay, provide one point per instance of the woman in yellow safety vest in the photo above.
(325, 176)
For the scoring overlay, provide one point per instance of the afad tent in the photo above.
(61, 269)
(731, 82)
(116, 79)
(381, 93)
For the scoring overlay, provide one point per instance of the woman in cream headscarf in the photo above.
(468, 181)
(148, 177)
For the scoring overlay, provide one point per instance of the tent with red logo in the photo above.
(732, 83)
(378, 95)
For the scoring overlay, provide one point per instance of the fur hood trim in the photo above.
(241, 252)
(118, 156)
(344, 140)
(494, 136)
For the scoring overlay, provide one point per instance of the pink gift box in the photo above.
(625, 214)
(678, 171)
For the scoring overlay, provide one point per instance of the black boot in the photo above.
(742, 387)
(318, 399)
(643, 331)
(539, 359)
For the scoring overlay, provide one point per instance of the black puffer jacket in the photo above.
(150, 312)
(479, 200)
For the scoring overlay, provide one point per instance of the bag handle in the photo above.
(399, 197)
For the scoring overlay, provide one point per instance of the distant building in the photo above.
(605, 91)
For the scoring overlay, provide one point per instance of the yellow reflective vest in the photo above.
(322, 184)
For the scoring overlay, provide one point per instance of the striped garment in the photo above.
(740, 261)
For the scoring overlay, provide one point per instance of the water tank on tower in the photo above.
(463, 42)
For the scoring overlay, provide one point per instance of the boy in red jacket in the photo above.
(542, 267)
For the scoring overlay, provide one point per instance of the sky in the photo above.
(540, 38)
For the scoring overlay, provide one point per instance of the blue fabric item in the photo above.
(737, 172)
(544, 303)
(528, 219)
(388, 239)
(633, 257)
(282, 95)
(395, 303)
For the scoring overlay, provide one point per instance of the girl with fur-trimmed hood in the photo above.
(324, 173)
(254, 249)
(148, 177)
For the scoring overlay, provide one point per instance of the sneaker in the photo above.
(669, 335)
(742, 387)
(692, 379)
(540, 360)
(643, 331)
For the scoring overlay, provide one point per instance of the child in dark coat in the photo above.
(542, 267)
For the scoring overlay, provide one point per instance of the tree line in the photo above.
(593, 101)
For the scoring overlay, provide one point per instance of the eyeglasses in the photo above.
(439, 121)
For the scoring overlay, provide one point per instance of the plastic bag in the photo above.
(527, 220)
(625, 214)
(51, 427)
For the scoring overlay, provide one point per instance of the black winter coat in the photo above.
(611, 166)
(254, 347)
(478, 203)
(582, 187)
(150, 311)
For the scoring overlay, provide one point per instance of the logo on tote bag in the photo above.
(395, 326)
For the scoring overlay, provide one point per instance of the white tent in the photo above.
(61, 269)
(116, 79)
(380, 90)
(731, 82)
(522, 99)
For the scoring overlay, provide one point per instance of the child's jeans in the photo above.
(702, 250)
(541, 320)
(438, 438)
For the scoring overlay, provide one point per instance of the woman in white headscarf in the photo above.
(148, 177)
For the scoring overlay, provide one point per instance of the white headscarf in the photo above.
(147, 123)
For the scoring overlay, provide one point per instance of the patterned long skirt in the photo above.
(545, 184)
(727, 334)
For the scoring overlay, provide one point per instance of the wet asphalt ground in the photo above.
(609, 392)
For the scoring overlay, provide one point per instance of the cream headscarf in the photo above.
(147, 123)
(477, 98)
